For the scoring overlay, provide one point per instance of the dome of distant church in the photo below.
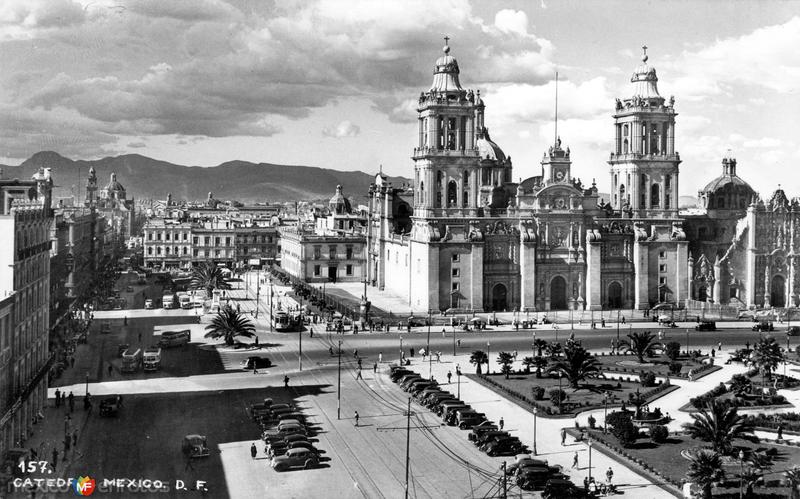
(487, 149)
(113, 185)
(728, 191)
(339, 204)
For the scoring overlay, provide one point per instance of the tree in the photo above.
(641, 343)
(705, 469)
(208, 277)
(624, 429)
(793, 481)
(751, 476)
(740, 384)
(539, 344)
(554, 350)
(527, 362)
(505, 359)
(229, 324)
(719, 424)
(578, 365)
(478, 357)
(540, 363)
(672, 350)
(767, 356)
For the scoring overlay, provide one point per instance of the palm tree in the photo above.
(641, 343)
(478, 358)
(767, 356)
(228, 324)
(719, 424)
(539, 344)
(527, 362)
(705, 469)
(577, 365)
(505, 360)
(554, 350)
(540, 363)
(793, 481)
(208, 277)
(750, 477)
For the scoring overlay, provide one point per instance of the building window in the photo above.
(662, 280)
(455, 286)
(456, 257)
(158, 250)
(158, 236)
(317, 252)
(216, 241)
(662, 254)
(166, 236)
(185, 250)
(194, 252)
(150, 250)
(349, 270)
(149, 236)
(195, 241)
(227, 241)
(316, 270)
(332, 252)
(662, 267)
(456, 273)
(349, 253)
(207, 240)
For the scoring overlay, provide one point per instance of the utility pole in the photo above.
(300, 347)
(504, 496)
(339, 386)
(258, 292)
(428, 348)
(408, 442)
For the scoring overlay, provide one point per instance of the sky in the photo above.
(334, 83)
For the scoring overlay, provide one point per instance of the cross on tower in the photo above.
(446, 39)
(644, 49)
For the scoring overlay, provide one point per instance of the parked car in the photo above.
(256, 363)
(295, 458)
(793, 331)
(706, 326)
(746, 314)
(503, 447)
(148, 304)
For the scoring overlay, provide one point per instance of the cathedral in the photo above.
(465, 236)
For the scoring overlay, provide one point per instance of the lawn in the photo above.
(667, 460)
(589, 393)
(659, 364)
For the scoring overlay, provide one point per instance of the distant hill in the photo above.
(687, 201)
(145, 178)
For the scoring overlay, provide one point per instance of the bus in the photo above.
(152, 358)
(185, 301)
(284, 321)
(131, 360)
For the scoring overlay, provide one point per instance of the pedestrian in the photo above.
(238, 308)
(780, 431)
(623, 319)
(55, 458)
(355, 353)
(609, 475)
(74, 438)
(72, 362)
(449, 375)
(380, 357)
(330, 350)
(690, 374)
(356, 417)
(125, 321)
(358, 375)
(71, 400)
(602, 322)
(438, 356)
(502, 423)
(411, 351)
(375, 367)
(110, 369)
(255, 368)
(515, 355)
(458, 342)
(719, 346)
(713, 353)
(253, 451)
(58, 397)
(443, 333)
(359, 362)
(286, 381)
(575, 461)
(563, 436)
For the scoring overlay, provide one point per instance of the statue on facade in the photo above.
(618, 105)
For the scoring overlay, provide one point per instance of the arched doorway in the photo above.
(702, 293)
(615, 295)
(558, 293)
(778, 295)
(499, 298)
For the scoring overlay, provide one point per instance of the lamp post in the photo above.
(559, 392)
(458, 376)
(590, 460)
(87, 382)
(741, 474)
(339, 386)
(488, 358)
(535, 410)
(401, 349)
(687, 342)
(454, 341)
(428, 348)
(605, 411)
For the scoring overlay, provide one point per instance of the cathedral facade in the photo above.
(465, 236)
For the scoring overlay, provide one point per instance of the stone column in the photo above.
(716, 295)
(594, 265)
(527, 268)
(475, 293)
(750, 289)
(641, 300)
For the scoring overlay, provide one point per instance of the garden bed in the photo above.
(658, 365)
(666, 462)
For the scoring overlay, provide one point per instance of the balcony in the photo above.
(421, 152)
(632, 156)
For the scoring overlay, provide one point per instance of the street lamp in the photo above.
(535, 410)
(533, 345)
(741, 474)
(458, 376)
(590, 460)
(87, 383)
(339, 386)
(488, 358)
(559, 392)
(401, 349)
(687, 342)
(605, 411)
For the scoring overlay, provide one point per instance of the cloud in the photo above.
(511, 21)
(344, 129)
(24, 19)
(184, 10)
(136, 145)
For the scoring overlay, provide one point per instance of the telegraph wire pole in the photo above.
(339, 387)
(408, 442)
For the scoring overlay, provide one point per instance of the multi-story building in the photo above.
(112, 202)
(257, 243)
(468, 237)
(167, 243)
(25, 219)
(333, 250)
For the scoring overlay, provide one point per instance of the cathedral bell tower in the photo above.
(455, 163)
(91, 188)
(644, 164)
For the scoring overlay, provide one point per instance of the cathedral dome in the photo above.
(487, 149)
(445, 75)
(339, 204)
(644, 79)
(728, 191)
(113, 185)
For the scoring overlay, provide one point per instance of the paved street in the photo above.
(201, 389)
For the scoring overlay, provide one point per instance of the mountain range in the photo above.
(148, 178)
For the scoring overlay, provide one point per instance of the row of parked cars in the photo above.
(286, 435)
(528, 473)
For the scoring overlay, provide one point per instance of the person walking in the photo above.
(449, 375)
(623, 319)
(609, 475)
(356, 417)
(358, 375)
(253, 451)
(375, 367)
(255, 368)
(502, 423)
(563, 436)
(443, 333)
(575, 460)
(58, 397)
(71, 400)
(780, 431)
(286, 381)
(110, 369)
(380, 357)
(713, 353)
(719, 346)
